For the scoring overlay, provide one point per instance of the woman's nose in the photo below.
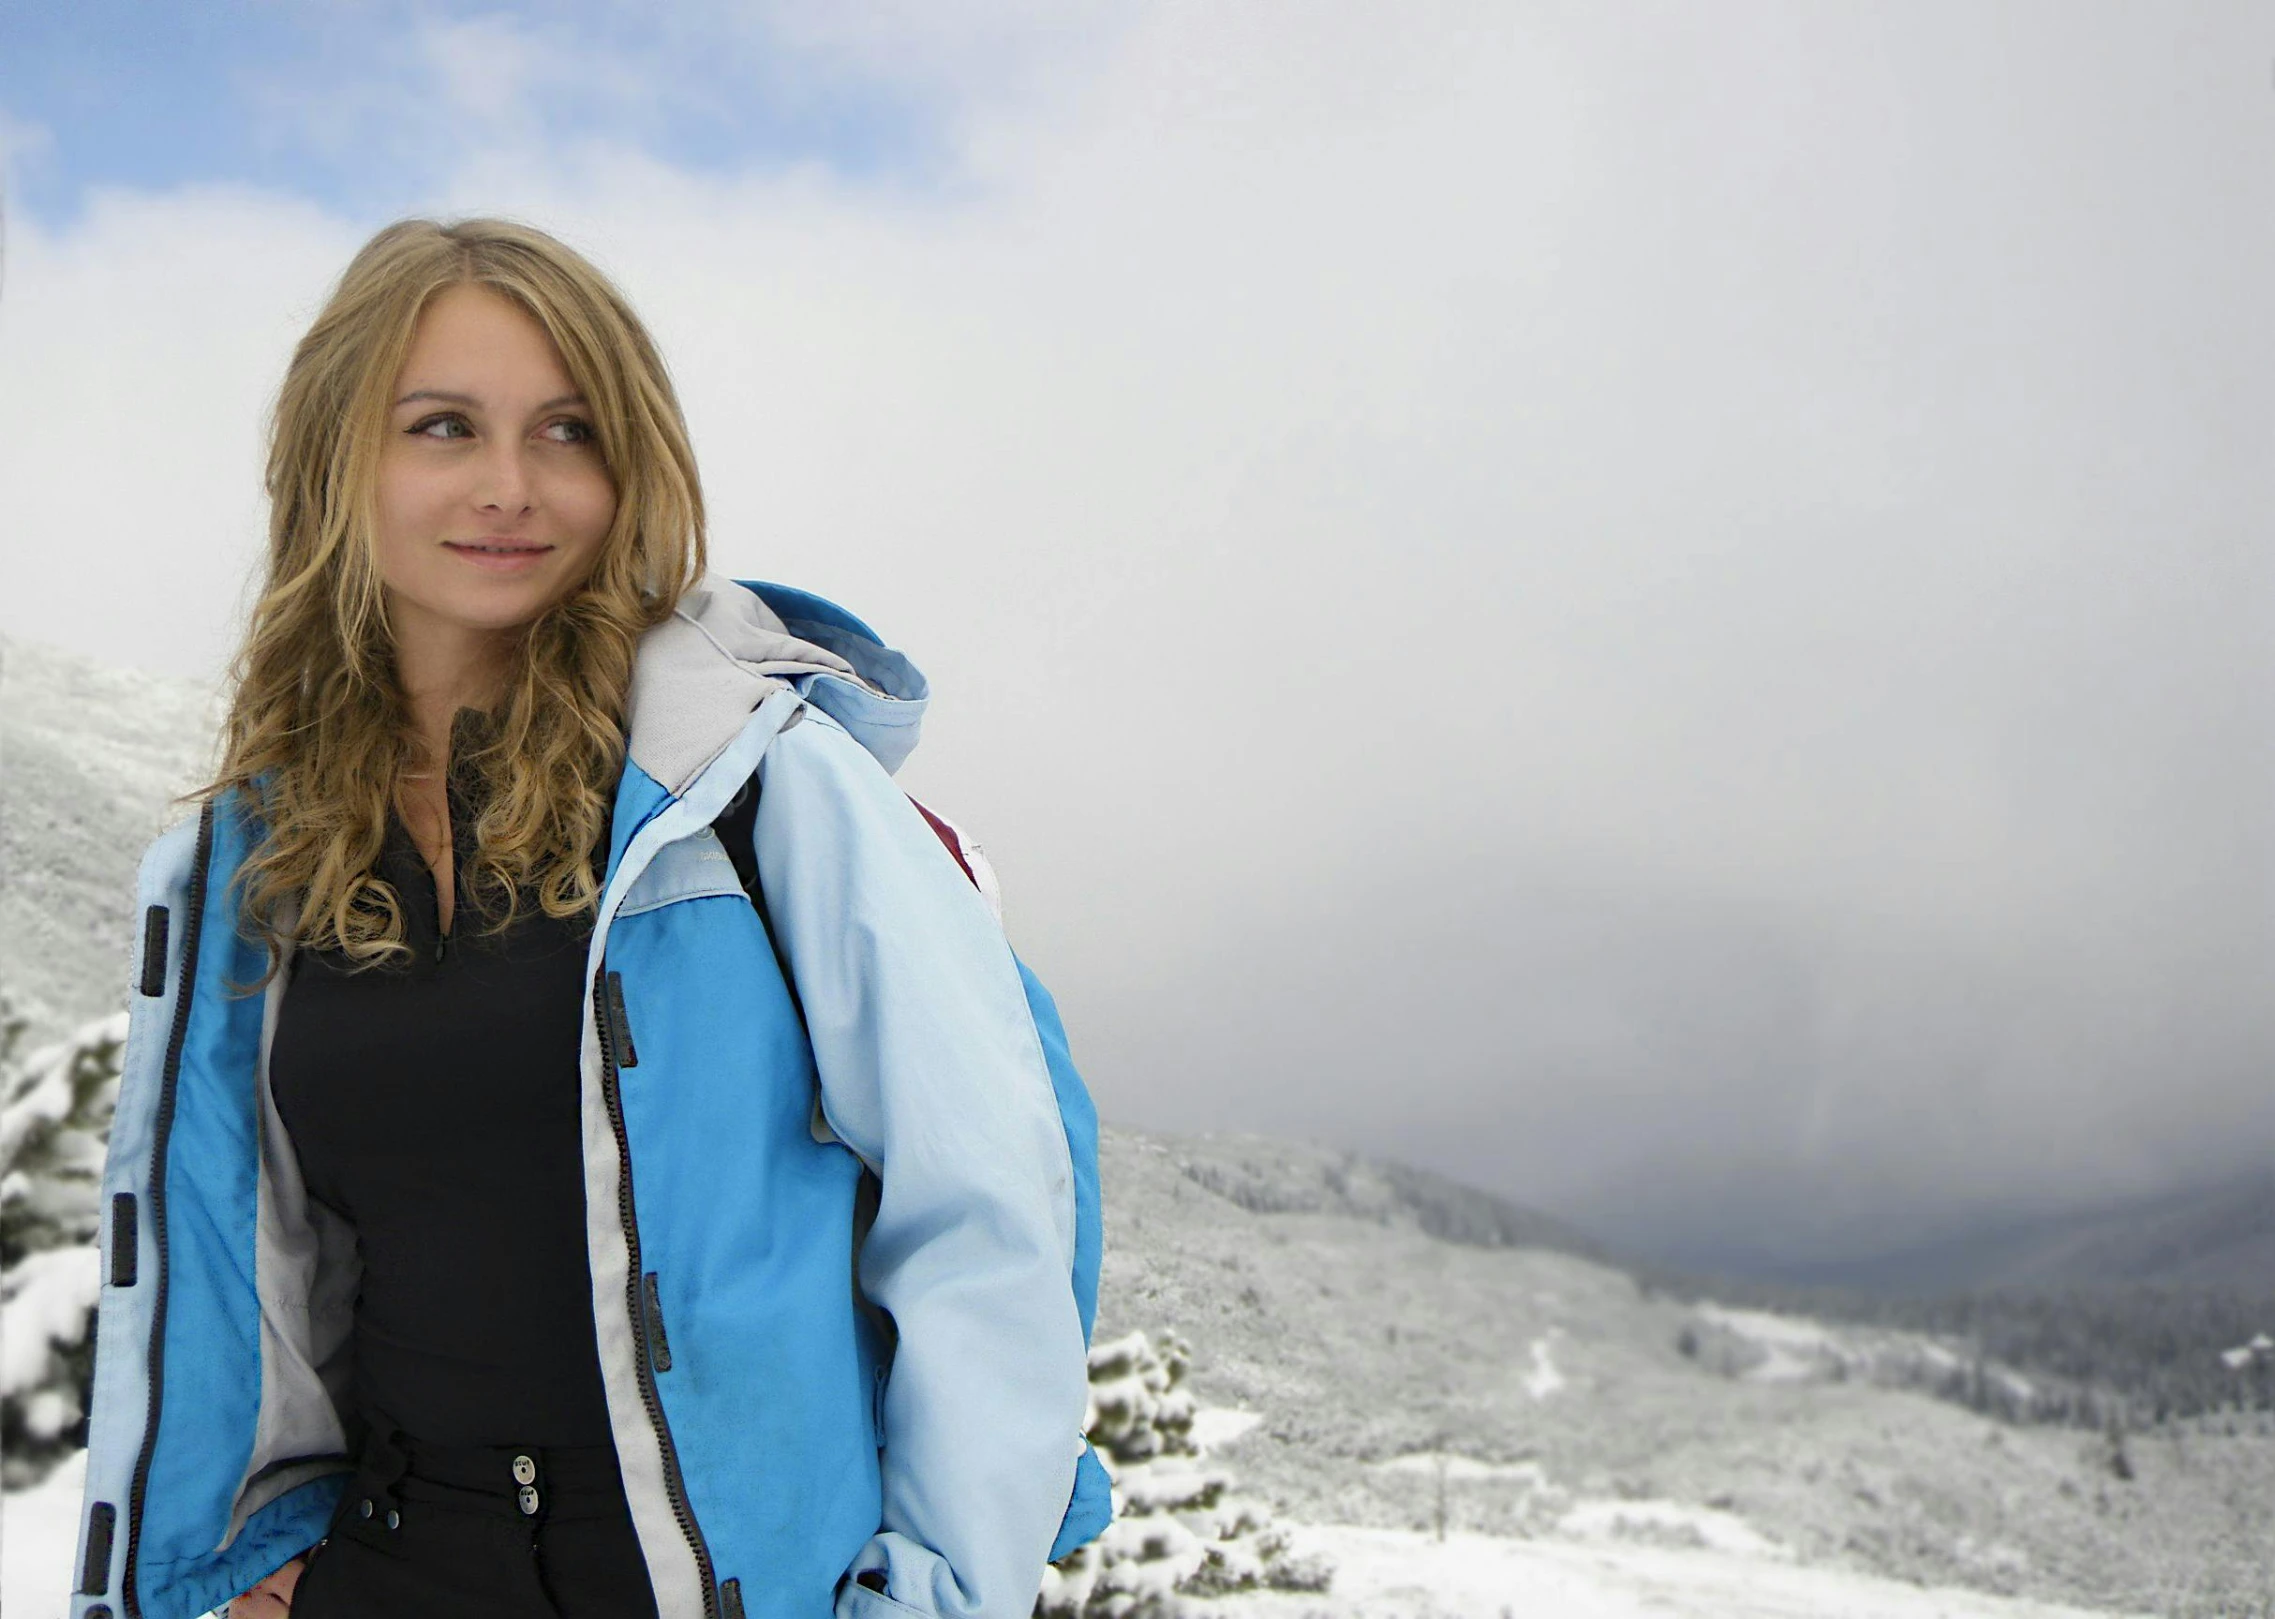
(505, 481)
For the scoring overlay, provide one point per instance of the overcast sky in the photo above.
(1664, 608)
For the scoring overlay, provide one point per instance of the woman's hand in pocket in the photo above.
(273, 1596)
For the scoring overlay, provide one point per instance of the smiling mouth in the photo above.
(495, 550)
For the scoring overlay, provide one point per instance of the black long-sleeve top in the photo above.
(436, 1108)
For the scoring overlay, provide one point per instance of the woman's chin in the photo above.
(493, 605)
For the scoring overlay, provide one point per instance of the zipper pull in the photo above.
(619, 1025)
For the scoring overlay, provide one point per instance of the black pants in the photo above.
(448, 1532)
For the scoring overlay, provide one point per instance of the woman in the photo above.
(584, 1144)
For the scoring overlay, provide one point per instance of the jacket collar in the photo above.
(731, 644)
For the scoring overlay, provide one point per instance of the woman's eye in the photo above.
(420, 429)
(578, 430)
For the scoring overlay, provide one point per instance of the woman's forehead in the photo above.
(472, 344)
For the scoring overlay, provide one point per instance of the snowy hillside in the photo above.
(88, 759)
(1467, 1429)
(1561, 1405)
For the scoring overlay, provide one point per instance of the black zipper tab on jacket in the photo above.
(620, 1026)
(659, 1347)
(95, 1567)
(154, 951)
(123, 1247)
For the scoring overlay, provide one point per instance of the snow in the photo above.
(94, 755)
(45, 1098)
(1792, 1348)
(1544, 1379)
(49, 1295)
(1997, 1556)
(1788, 1332)
(1667, 1522)
(1403, 1574)
(1366, 1342)
(1216, 1425)
(2261, 1346)
(41, 1528)
(2017, 1386)
(1466, 1469)
(1796, 1349)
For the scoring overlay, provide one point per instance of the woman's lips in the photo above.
(505, 559)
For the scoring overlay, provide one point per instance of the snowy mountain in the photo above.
(89, 756)
(1561, 1398)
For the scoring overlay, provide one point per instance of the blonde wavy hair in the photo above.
(318, 730)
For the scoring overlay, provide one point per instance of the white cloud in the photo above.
(141, 353)
(1537, 591)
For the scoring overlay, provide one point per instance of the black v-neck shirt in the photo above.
(436, 1107)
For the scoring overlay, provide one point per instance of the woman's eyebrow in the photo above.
(470, 400)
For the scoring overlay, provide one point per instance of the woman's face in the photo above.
(493, 499)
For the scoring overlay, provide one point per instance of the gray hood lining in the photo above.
(700, 673)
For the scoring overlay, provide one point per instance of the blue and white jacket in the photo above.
(773, 1442)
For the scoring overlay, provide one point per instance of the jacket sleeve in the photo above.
(932, 1070)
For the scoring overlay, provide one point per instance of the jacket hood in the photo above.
(731, 644)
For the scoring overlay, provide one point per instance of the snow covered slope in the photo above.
(89, 756)
(1377, 1384)
(1555, 1396)
(1398, 1574)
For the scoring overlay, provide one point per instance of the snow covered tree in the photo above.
(1178, 1531)
(55, 1113)
(2254, 1362)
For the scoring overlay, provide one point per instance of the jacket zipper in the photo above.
(193, 918)
(606, 1028)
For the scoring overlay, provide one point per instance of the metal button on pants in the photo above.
(456, 1532)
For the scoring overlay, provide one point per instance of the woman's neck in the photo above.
(442, 673)
(442, 666)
